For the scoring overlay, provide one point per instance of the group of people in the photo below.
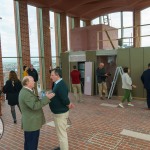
(30, 106)
(127, 84)
(24, 96)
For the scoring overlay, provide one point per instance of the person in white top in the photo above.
(127, 86)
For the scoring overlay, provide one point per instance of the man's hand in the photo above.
(134, 86)
(106, 75)
(50, 95)
(71, 105)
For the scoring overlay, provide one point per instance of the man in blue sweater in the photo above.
(60, 105)
(146, 82)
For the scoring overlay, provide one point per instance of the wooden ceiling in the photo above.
(90, 9)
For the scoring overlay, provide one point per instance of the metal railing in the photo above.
(136, 34)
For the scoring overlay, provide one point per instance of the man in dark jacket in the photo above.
(60, 105)
(101, 79)
(146, 82)
(32, 72)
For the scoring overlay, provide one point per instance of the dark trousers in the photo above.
(31, 140)
(148, 97)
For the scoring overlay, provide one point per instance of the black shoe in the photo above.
(15, 121)
(57, 148)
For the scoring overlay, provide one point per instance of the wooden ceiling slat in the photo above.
(90, 9)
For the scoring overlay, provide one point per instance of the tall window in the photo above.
(95, 21)
(145, 29)
(8, 37)
(33, 34)
(68, 33)
(33, 38)
(128, 32)
(53, 41)
(81, 23)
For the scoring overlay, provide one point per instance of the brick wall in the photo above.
(63, 30)
(76, 22)
(47, 45)
(24, 33)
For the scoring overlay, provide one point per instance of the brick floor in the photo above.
(94, 127)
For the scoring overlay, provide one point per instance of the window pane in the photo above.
(35, 63)
(68, 33)
(128, 32)
(145, 30)
(8, 65)
(95, 21)
(52, 32)
(127, 19)
(81, 23)
(7, 29)
(33, 34)
(115, 21)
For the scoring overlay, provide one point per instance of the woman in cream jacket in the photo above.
(127, 86)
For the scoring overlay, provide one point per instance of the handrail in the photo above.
(110, 40)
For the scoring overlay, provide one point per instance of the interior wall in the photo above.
(91, 56)
(137, 60)
(65, 68)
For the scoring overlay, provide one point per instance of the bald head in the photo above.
(101, 65)
(28, 81)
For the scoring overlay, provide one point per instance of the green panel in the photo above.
(146, 60)
(71, 68)
(91, 56)
(136, 67)
(65, 68)
(123, 59)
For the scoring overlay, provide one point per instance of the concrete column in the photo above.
(136, 29)
(57, 37)
(63, 31)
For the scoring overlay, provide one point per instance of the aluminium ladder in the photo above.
(119, 70)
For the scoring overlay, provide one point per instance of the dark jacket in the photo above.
(34, 74)
(146, 79)
(100, 73)
(12, 89)
(60, 101)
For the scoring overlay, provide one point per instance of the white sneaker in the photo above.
(129, 104)
(121, 105)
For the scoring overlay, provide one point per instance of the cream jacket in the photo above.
(126, 81)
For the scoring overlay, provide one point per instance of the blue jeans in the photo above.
(31, 140)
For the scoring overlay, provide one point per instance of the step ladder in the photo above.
(119, 70)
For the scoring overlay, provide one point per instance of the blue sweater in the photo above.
(60, 101)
